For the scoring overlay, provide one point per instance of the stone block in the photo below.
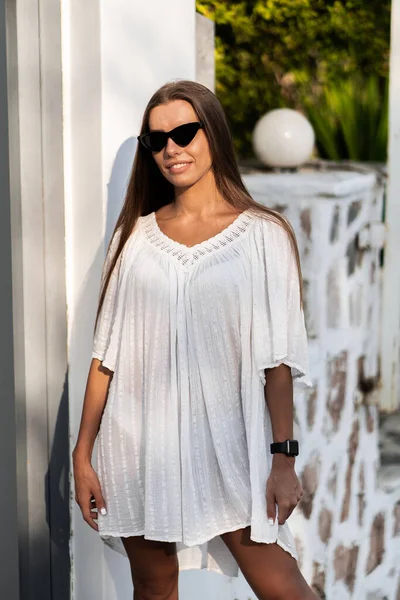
(305, 220)
(353, 211)
(396, 517)
(352, 451)
(325, 524)
(312, 396)
(347, 493)
(281, 208)
(354, 256)
(318, 580)
(361, 495)
(377, 543)
(337, 379)
(309, 481)
(335, 226)
(332, 480)
(345, 564)
(306, 231)
(354, 439)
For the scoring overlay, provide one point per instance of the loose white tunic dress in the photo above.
(183, 447)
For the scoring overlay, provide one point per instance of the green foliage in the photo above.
(273, 53)
(351, 119)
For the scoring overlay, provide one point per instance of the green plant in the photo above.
(273, 53)
(351, 119)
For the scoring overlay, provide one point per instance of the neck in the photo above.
(200, 199)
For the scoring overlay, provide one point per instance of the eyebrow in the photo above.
(168, 131)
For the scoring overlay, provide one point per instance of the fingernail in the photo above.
(103, 511)
(271, 521)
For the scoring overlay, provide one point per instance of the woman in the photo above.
(199, 335)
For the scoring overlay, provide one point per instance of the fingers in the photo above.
(285, 509)
(287, 505)
(271, 508)
(91, 503)
(99, 501)
(93, 508)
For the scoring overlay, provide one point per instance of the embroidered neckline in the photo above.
(184, 253)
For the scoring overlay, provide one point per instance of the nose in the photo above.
(171, 148)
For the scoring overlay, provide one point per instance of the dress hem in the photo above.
(274, 540)
(156, 538)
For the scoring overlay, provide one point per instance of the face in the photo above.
(183, 167)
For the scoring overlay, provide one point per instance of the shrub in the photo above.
(273, 53)
(351, 119)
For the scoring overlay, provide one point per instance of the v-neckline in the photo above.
(184, 253)
(226, 231)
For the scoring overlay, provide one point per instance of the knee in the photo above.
(157, 588)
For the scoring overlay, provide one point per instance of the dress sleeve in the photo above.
(281, 334)
(103, 345)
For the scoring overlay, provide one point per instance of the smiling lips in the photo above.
(179, 167)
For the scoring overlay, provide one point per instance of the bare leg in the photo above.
(154, 568)
(269, 570)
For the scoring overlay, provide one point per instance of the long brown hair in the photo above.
(148, 189)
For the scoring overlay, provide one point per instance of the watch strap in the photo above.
(288, 447)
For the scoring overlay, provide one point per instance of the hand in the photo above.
(283, 488)
(87, 491)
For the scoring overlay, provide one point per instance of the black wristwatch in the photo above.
(288, 447)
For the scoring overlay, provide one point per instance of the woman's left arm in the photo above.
(283, 486)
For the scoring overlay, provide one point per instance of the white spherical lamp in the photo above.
(283, 138)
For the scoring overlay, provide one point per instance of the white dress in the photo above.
(183, 447)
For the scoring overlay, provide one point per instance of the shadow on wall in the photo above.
(116, 188)
(57, 501)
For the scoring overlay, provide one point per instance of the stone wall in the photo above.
(347, 527)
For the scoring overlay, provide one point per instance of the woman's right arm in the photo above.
(87, 485)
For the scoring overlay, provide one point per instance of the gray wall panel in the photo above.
(9, 576)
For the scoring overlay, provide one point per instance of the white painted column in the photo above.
(116, 53)
(390, 362)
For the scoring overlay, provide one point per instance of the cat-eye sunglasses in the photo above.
(182, 135)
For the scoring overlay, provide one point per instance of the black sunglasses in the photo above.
(182, 135)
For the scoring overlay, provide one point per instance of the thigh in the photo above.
(272, 573)
(154, 566)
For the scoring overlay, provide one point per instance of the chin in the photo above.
(180, 181)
